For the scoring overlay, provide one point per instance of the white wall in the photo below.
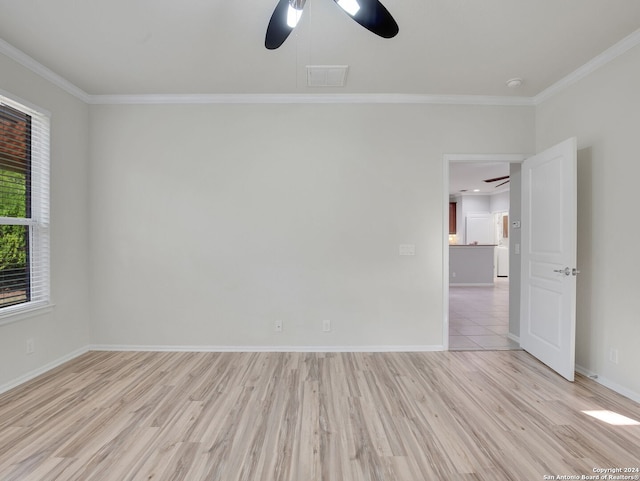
(211, 222)
(65, 329)
(603, 112)
(499, 202)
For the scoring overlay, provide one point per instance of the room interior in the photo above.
(198, 202)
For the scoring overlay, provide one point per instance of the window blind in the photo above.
(24, 207)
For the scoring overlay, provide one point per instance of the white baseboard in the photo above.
(472, 284)
(126, 347)
(150, 348)
(513, 337)
(586, 372)
(41, 370)
(634, 396)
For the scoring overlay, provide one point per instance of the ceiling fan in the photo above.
(371, 14)
(497, 179)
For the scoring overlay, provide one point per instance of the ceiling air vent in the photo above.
(326, 75)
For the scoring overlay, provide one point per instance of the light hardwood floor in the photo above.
(310, 416)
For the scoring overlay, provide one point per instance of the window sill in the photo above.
(19, 313)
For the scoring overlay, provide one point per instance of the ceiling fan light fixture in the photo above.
(293, 16)
(370, 14)
(350, 6)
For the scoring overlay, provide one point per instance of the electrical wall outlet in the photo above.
(326, 325)
(31, 346)
(613, 355)
(277, 326)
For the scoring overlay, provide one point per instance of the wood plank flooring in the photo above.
(310, 416)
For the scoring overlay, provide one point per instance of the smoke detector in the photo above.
(514, 83)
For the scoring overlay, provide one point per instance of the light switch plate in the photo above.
(407, 249)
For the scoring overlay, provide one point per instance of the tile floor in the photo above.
(479, 317)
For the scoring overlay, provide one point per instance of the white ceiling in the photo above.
(217, 47)
(470, 176)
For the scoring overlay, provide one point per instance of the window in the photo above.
(24, 208)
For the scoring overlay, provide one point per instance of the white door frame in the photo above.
(446, 160)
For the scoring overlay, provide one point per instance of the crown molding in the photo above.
(605, 57)
(47, 74)
(203, 99)
(591, 66)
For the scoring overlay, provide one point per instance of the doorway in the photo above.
(481, 296)
(479, 317)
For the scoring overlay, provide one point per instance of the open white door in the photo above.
(549, 231)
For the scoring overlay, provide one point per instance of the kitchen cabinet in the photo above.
(452, 218)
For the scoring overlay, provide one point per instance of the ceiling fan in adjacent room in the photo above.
(498, 179)
(371, 14)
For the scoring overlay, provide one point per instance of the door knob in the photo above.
(566, 271)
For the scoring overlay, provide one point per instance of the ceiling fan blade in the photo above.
(372, 15)
(278, 29)
(505, 182)
(496, 179)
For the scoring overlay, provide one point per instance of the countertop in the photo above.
(473, 245)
